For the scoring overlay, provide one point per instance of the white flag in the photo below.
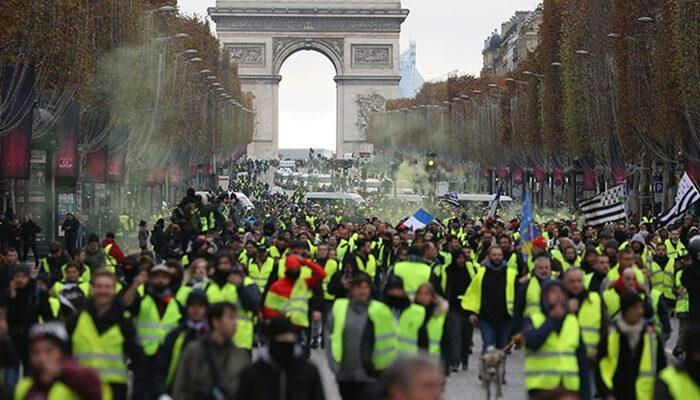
(687, 195)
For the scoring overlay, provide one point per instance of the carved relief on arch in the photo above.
(333, 48)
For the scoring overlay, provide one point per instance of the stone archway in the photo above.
(359, 37)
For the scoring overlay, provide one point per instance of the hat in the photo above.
(197, 296)
(279, 326)
(160, 268)
(54, 331)
(292, 262)
(637, 238)
(44, 277)
(629, 300)
(261, 248)
(93, 238)
(22, 269)
(394, 282)
(540, 242)
(612, 243)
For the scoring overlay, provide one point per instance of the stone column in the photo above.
(266, 104)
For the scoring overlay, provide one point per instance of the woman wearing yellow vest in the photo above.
(54, 375)
(632, 355)
(430, 334)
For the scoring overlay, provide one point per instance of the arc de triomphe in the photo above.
(360, 37)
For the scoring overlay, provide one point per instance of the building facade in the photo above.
(518, 36)
(411, 78)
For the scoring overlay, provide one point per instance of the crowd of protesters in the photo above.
(220, 302)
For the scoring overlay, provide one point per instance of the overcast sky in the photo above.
(449, 34)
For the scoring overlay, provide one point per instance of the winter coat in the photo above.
(263, 379)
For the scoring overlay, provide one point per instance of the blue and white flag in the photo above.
(528, 230)
(450, 198)
(419, 220)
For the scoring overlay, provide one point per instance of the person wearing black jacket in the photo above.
(70, 227)
(281, 371)
(691, 278)
(459, 330)
(25, 305)
(29, 231)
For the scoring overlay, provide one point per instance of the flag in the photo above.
(493, 207)
(419, 220)
(687, 195)
(606, 207)
(528, 231)
(450, 198)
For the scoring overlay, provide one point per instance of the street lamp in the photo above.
(190, 52)
(645, 20)
(195, 60)
(582, 52)
(180, 36)
(205, 72)
(493, 85)
(477, 92)
(555, 64)
(614, 35)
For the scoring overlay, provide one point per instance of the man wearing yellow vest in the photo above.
(674, 247)
(362, 342)
(682, 382)
(192, 327)
(262, 269)
(241, 291)
(103, 338)
(529, 290)
(632, 355)
(555, 355)
(514, 260)
(490, 299)
(155, 311)
(362, 258)
(589, 308)
(417, 269)
(54, 376)
(407, 317)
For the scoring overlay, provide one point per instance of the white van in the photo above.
(291, 164)
(244, 201)
(466, 199)
(325, 198)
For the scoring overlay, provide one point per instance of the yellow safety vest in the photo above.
(413, 274)
(384, 347)
(210, 288)
(590, 319)
(471, 267)
(644, 386)
(260, 274)
(111, 262)
(682, 304)
(533, 297)
(175, 358)
(680, 385)
(341, 249)
(662, 277)
(104, 353)
(513, 262)
(245, 324)
(554, 364)
(370, 268)
(472, 298)
(331, 267)
(410, 321)
(296, 307)
(150, 327)
(434, 329)
(678, 250)
(614, 274)
(58, 391)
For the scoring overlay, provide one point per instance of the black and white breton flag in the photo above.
(687, 195)
(450, 198)
(608, 206)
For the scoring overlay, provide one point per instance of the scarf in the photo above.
(633, 333)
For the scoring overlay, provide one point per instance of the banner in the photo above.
(589, 181)
(558, 177)
(96, 166)
(16, 145)
(518, 175)
(502, 172)
(539, 173)
(67, 143)
(115, 166)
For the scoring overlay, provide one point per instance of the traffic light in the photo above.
(430, 163)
